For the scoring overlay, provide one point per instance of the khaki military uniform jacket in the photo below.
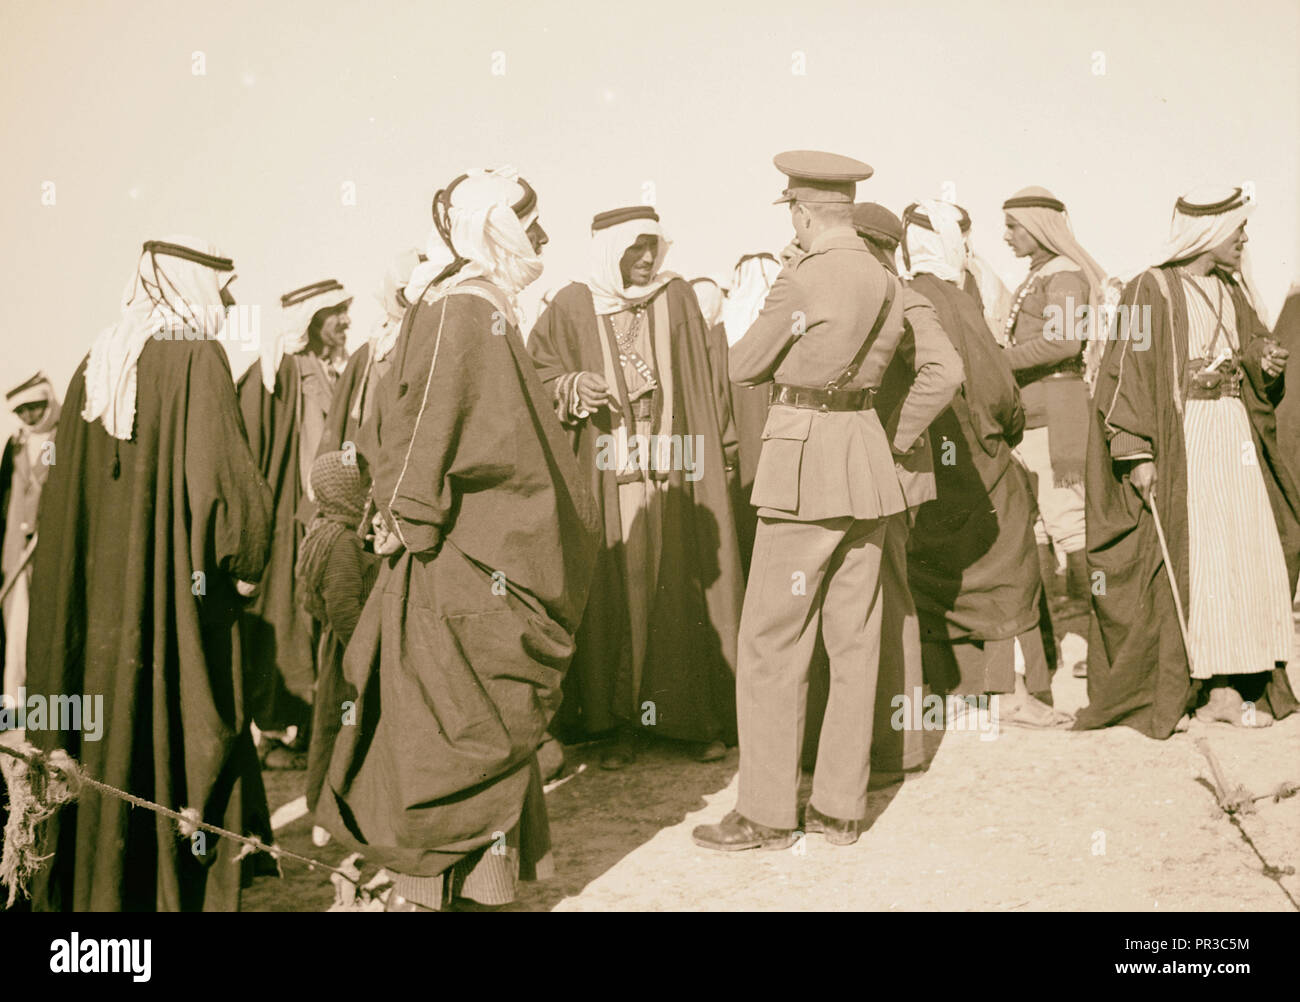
(818, 465)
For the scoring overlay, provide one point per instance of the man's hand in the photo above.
(1143, 479)
(1274, 361)
(593, 394)
(386, 542)
(246, 588)
(791, 253)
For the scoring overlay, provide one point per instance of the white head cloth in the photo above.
(938, 250)
(392, 298)
(750, 284)
(487, 234)
(608, 245)
(166, 296)
(295, 321)
(35, 390)
(1203, 218)
(993, 291)
(709, 295)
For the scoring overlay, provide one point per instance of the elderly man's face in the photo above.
(31, 414)
(1227, 255)
(637, 264)
(537, 236)
(334, 329)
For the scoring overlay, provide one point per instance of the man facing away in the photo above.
(1185, 429)
(626, 358)
(152, 513)
(970, 560)
(825, 489)
(924, 347)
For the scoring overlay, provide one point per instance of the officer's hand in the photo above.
(1143, 479)
(246, 588)
(792, 253)
(593, 394)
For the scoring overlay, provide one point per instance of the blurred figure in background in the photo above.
(23, 469)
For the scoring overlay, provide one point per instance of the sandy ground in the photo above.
(1027, 820)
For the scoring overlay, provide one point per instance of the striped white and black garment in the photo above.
(1239, 605)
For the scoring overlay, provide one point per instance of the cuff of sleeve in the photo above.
(1126, 445)
(418, 538)
(568, 404)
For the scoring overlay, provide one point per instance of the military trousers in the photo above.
(806, 578)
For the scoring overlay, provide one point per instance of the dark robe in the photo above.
(460, 651)
(354, 399)
(971, 558)
(1287, 333)
(1138, 674)
(125, 528)
(279, 636)
(746, 415)
(971, 286)
(689, 672)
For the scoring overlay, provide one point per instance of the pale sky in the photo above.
(599, 105)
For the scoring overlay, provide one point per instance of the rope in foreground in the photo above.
(54, 779)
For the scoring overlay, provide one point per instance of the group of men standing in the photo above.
(751, 519)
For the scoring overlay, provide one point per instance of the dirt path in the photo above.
(1028, 820)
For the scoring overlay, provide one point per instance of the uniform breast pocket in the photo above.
(776, 482)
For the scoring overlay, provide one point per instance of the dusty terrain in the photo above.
(1028, 820)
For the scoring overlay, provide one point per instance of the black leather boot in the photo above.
(836, 831)
(736, 832)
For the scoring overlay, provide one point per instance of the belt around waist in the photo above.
(821, 398)
(1213, 393)
(1070, 368)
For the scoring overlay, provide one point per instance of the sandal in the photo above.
(1032, 714)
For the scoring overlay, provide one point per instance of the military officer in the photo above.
(825, 488)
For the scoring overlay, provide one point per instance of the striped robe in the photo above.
(1239, 601)
(1138, 671)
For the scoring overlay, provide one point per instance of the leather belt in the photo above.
(643, 408)
(1230, 389)
(1069, 368)
(1207, 384)
(822, 399)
